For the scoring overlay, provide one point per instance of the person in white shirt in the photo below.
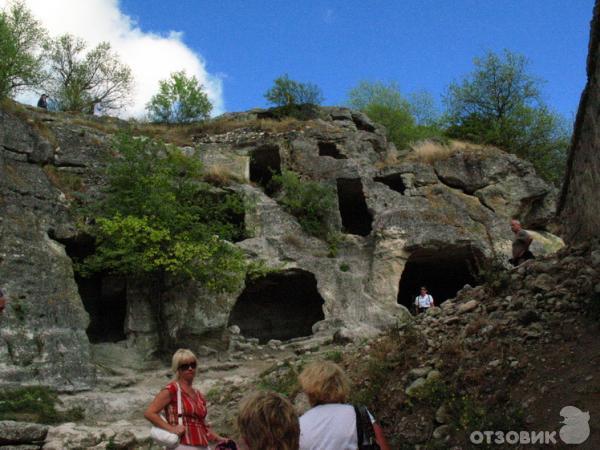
(331, 423)
(423, 301)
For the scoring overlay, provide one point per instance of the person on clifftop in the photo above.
(43, 102)
(520, 245)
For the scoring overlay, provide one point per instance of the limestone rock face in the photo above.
(579, 205)
(42, 331)
(403, 220)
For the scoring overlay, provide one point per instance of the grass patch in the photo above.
(184, 134)
(219, 175)
(282, 379)
(429, 151)
(65, 181)
(35, 404)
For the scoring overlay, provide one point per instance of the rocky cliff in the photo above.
(430, 216)
(579, 205)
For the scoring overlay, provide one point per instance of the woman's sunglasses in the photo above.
(187, 366)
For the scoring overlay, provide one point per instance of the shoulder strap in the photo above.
(179, 406)
(359, 427)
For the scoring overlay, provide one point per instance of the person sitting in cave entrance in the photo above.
(268, 421)
(520, 245)
(194, 432)
(423, 301)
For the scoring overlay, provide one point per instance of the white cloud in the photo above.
(151, 56)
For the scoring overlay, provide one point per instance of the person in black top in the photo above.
(43, 101)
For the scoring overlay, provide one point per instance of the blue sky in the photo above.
(420, 44)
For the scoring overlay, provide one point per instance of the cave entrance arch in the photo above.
(104, 296)
(282, 305)
(264, 162)
(444, 271)
(356, 217)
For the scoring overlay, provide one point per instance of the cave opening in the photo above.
(393, 181)
(104, 296)
(444, 271)
(356, 218)
(330, 149)
(282, 305)
(264, 162)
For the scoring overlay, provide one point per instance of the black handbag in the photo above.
(364, 429)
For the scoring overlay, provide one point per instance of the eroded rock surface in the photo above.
(394, 210)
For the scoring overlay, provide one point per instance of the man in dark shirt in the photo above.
(43, 102)
(521, 243)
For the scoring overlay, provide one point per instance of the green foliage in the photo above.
(282, 379)
(405, 121)
(335, 356)
(157, 216)
(83, 82)
(180, 99)
(21, 38)
(434, 392)
(499, 103)
(35, 404)
(259, 269)
(344, 267)
(310, 202)
(286, 92)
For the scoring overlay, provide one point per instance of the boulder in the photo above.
(16, 433)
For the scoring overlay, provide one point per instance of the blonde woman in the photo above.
(268, 421)
(331, 423)
(194, 433)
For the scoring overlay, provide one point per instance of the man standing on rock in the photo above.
(520, 245)
(423, 301)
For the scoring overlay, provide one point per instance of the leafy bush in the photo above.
(286, 92)
(405, 121)
(159, 217)
(499, 103)
(310, 202)
(181, 99)
(35, 404)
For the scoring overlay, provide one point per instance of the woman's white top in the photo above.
(329, 427)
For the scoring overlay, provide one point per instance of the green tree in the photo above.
(180, 99)
(83, 82)
(500, 103)
(287, 92)
(405, 120)
(21, 58)
(157, 217)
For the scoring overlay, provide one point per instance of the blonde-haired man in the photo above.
(268, 421)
